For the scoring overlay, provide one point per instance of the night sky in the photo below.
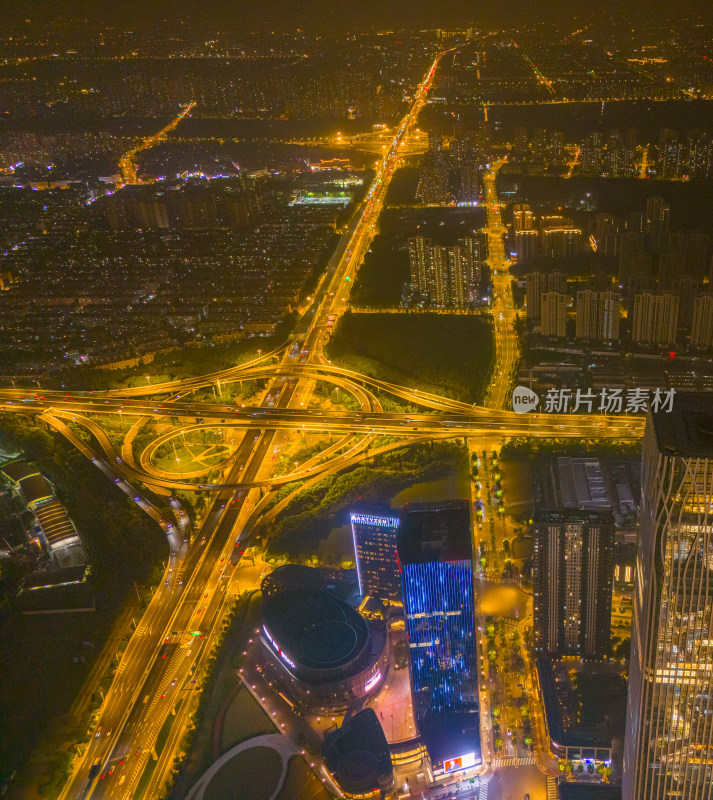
(315, 14)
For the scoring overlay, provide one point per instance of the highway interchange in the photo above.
(164, 661)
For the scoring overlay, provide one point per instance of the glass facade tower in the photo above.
(668, 751)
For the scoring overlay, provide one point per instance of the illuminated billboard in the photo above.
(371, 683)
(462, 762)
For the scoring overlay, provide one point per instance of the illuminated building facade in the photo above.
(374, 537)
(573, 567)
(668, 749)
(319, 648)
(437, 585)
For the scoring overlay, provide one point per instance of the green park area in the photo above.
(301, 783)
(256, 771)
(124, 545)
(178, 364)
(446, 354)
(304, 525)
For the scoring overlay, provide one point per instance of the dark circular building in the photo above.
(358, 756)
(325, 652)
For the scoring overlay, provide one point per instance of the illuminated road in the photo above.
(164, 655)
(169, 648)
(506, 345)
(127, 163)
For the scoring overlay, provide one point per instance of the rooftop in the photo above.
(315, 628)
(688, 429)
(358, 754)
(435, 532)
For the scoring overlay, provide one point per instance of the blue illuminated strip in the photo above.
(274, 644)
(438, 601)
(381, 522)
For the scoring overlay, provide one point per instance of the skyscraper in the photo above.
(435, 555)
(527, 245)
(668, 747)
(538, 282)
(374, 534)
(447, 276)
(553, 316)
(597, 315)
(655, 318)
(573, 567)
(523, 219)
(702, 328)
(469, 191)
(433, 178)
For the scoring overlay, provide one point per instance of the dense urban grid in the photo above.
(356, 436)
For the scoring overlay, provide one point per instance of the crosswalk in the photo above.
(512, 761)
(551, 788)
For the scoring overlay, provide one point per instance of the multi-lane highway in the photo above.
(176, 632)
(503, 310)
(166, 653)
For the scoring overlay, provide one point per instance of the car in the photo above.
(108, 733)
(98, 733)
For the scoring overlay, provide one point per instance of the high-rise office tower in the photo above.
(597, 315)
(374, 533)
(668, 746)
(553, 314)
(702, 327)
(435, 557)
(573, 568)
(655, 318)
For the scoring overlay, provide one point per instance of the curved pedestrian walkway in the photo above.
(275, 741)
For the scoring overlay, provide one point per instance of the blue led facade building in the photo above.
(435, 556)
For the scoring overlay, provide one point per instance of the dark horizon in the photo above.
(323, 15)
